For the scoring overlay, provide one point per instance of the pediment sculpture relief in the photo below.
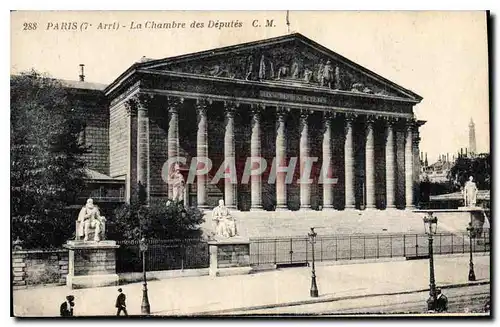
(309, 68)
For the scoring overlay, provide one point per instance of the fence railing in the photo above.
(297, 250)
(162, 255)
(192, 254)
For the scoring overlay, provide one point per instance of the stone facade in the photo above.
(91, 107)
(34, 267)
(118, 140)
(205, 105)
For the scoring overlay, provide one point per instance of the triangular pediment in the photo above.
(287, 59)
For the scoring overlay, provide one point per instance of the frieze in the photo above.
(286, 64)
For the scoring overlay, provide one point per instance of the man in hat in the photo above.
(66, 308)
(120, 303)
(442, 301)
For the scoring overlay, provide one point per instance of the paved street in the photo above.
(461, 299)
(290, 286)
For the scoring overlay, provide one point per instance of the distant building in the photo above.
(438, 171)
(472, 138)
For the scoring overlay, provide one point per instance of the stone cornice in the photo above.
(275, 85)
(272, 103)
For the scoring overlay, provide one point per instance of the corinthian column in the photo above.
(255, 152)
(370, 165)
(229, 186)
(390, 173)
(304, 149)
(409, 166)
(350, 201)
(201, 151)
(143, 149)
(280, 159)
(173, 133)
(327, 161)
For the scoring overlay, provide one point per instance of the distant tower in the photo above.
(472, 138)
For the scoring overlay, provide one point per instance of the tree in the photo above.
(158, 220)
(478, 167)
(46, 160)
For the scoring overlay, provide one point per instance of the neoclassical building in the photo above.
(280, 98)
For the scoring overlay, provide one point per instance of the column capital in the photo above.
(282, 112)
(231, 105)
(370, 119)
(131, 105)
(350, 117)
(173, 103)
(390, 121)
(410, 124)
(329, 115)
(230, 108)
(202, 105)
(257, 108)
(305, 113)
(144, 100)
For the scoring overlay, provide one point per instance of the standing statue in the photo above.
(262, 68)
(178, 184)
(319, 72)
(307, 75)
(470, 193)
(90, 218)
(295, 70)
(282, 71)
(338, 82)
(249, 66)
(327, 75)
(225, 225)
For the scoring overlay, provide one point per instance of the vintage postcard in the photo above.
(250, 163)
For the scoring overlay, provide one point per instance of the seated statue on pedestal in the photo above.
(90, 222)
(225, 224)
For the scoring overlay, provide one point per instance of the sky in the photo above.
(442, 56)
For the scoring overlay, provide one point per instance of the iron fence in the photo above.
(297, 250)
(162, 255)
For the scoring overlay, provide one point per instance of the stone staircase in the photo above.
(298, 223)
(335, 222)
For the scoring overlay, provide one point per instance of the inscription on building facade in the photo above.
(292, 97)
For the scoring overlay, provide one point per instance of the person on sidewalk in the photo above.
(120, 303)
(66, 308)
(442, 301)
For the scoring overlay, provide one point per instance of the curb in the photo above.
(330, 299)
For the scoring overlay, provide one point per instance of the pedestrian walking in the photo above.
(120, 303)
(66, 308)
(442, 301)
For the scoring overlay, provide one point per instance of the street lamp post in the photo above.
(145, 308)
(430, 224)
(314, 286)
(472, 275)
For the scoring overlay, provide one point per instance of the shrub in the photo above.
(156, 221)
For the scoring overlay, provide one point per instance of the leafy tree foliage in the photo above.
(478, 167)
(159, 220)
(46, 163)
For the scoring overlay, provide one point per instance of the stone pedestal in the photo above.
(457, 220)
(229, 257)
(91, 264)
